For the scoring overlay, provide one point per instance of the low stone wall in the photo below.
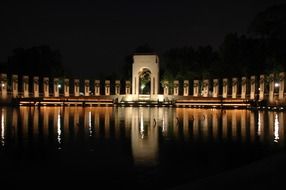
(269, 89)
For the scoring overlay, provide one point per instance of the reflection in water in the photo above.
(144, 136)
(3, 123)
(89, 124)
(144, 128)
(59, 131)
(259, 123)
(276, 128)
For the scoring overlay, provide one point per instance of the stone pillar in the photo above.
(166, 87)
(117, 87)
(176, 88)
(66, 87)
(15, 86)
(261, 87)
(271, 87)
(127, 87)
(97, 87)
(56, 87)
(36, 86)
(4, 85)
(76, 87)
(234, 87)
(243, 87)
(86, 87)
(215, 88)
(107, 87)
(205, 88)
(46, 86)
(252, 87)
(224, 88)
(195, 88)
(281, 86)
(26, 86)
(186, 88)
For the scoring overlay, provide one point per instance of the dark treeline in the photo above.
(36, 61)
(260, 51)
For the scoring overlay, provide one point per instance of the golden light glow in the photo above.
(143, 126)
(276, 128)
(3, 127)
(59, 131)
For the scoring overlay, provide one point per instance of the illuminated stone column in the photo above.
(46, 86)
(243, 87)
(56, 87)
(86, 87)
(261, 87)
(76, 87)
(176, 88)
(186, 88)
(127, 87)
(36, 86)
(15, 86)
(3, 78)
(196, 88)
(26, 86)
(224, 88)
(166, 88)
(252, 87)
(271, 88)
(281, 85)
(234, 87)
(215, 88)
(97, 87)
(205, 88)
(117, 87)
(66, 87)
(107, 87)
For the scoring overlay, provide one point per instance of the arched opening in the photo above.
(145, 81)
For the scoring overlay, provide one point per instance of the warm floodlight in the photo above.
(276, 84)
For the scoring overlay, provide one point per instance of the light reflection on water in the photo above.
(145, 128)
(3, 123)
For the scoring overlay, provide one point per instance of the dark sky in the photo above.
(95, 36)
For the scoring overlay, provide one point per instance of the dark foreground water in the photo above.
(123, 147)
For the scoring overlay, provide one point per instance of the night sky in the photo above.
(95, 36)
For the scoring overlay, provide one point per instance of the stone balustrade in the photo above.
(263, 87)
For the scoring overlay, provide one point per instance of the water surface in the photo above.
(117, 146)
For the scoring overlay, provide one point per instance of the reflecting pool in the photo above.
(118, 146)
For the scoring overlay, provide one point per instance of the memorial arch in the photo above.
(145, 75)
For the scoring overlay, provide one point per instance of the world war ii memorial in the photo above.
(143, 95)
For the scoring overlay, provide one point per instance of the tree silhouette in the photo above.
(37, 61)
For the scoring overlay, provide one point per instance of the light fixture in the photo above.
(276, 84)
